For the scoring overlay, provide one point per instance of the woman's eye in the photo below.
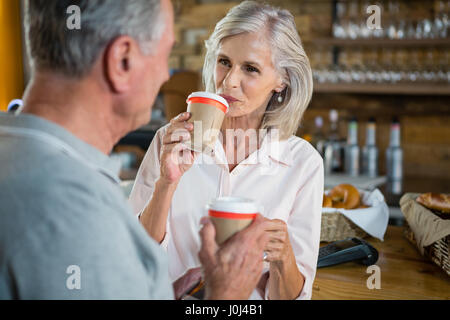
(224, 62)
(251, 69)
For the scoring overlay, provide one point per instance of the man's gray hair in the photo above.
(51, 45)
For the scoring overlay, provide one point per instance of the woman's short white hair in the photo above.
(289, 58)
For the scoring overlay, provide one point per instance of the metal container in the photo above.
(394, 163)
(352, 160)
(394, 160)
(370, 161)
(352, 150)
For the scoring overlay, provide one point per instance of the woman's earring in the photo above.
(280, 98)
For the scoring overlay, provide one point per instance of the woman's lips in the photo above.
(229, 99)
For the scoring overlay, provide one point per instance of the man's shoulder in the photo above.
(57, 214)
(31, 165)
(53, 190)
(56, 180)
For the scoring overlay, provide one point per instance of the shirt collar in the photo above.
(272, 148)
(87, 151)
(277, 149)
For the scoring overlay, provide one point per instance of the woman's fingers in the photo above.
(178, 130)
(274, 253)
(181, 118)
(177, 125)
(279, 235)
(274, 225)
(176, 137)
(178, 133)
(274, 246)
(179, 153)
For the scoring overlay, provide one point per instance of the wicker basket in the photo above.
(438, 252)
(335, 226)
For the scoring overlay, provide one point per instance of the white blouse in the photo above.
(285, 177)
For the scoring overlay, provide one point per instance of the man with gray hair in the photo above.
(67, 231)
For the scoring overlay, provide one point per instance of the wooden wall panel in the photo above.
(425, 120)
(11, 64)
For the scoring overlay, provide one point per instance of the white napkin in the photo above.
(373, 220)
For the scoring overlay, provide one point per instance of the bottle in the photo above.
(369, 159)
(352, 149)
(337, 162)
(394, 159)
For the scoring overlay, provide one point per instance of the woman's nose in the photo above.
(232, 79)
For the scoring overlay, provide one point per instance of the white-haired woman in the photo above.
(256, 61)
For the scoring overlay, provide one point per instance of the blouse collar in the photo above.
(271, 148)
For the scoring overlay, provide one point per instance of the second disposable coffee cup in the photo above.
(207, 113)
(230, 215)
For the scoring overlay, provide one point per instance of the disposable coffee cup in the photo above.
(231, 215)
(207, 113)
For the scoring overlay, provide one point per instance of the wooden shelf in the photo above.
(371, 88)
(381, 42)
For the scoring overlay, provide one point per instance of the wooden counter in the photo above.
(405, 274)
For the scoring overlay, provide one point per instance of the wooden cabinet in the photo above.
(11, 68)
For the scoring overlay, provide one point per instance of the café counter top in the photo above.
(404, 275)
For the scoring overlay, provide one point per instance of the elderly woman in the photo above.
(255, 60)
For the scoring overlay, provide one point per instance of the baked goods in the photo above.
(345, 196)
(327, 202)
(435, 201)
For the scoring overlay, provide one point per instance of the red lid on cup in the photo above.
(210, 99)
(233, 208)
(231, 215)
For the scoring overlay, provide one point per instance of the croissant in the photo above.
(435, 201)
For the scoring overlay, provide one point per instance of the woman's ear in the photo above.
(280, 88)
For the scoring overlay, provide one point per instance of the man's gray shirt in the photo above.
(66, 229)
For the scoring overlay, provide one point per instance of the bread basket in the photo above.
(427, 231)
(335, 226)
(338, 224)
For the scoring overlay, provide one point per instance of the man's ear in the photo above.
(119, 57)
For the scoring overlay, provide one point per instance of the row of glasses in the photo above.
(382, 66)
(398, 19)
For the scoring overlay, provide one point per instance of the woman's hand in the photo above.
(278, 248)
(176, 158)
(285, 280)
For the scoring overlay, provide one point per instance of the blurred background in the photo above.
(370, 86)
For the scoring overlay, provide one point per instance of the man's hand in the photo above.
(233, 270)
